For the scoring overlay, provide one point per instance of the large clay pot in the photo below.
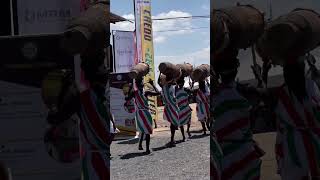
(186, 69)
(243, 24)
(138, 71)
(89, 30)
(201, 72)
(169, 69)
(290, 35)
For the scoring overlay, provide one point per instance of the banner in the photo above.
(145, 52)
(45, 17)
(124, 51)
(125, 121)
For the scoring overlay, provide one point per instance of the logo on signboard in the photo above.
(119, 77)
(46, 15)
(29, 50)
(118, 37)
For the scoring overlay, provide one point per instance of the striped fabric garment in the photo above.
(241, 156)
(298, 135)
(202, 100)
(143, 115)
(129, 106)
(184, 108)
(95, 137)
(216, 156)
(171, 110)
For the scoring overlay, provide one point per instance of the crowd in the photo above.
(175, 96)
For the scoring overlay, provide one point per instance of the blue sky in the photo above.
(191, 46)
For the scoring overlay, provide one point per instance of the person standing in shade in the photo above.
(96, 124)
(296, 106)
(184, 108)
(96, 121)
(143, 115)
(232, 124)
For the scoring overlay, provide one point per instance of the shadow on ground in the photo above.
(199, 136)
(166, 146)
(133, 155)
(131, 141)
(197, 131)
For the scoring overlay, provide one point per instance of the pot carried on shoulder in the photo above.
(138, 71)
(239, 26)
(290, 35)
(170, 70)
(186, 69)
(201, 72)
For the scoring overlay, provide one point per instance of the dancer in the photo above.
(171, 109)
(202, 99)
(296, 105)
(241, 155)
(184, 108)
(96, 122)
(96, 119)
(143, 115)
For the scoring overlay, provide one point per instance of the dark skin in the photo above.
(140, 85)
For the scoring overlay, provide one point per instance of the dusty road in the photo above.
(188, 160)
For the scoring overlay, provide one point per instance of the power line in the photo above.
(171, 30)
(182, 17)
(185, 17)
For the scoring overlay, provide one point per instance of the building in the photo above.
(116, 18)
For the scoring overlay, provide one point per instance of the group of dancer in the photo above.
(295, 106)
(177, 110)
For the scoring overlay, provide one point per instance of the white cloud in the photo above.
(198, 57)
(195, 58)
(162, 25)
(124, 26)
(159, 39)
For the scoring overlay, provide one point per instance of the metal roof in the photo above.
(116, 18)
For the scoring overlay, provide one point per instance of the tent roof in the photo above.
(116, 18)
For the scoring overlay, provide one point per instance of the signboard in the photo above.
(124, 51)
(145, 45)
(124, 120)
(24, 144)
(45, 17)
